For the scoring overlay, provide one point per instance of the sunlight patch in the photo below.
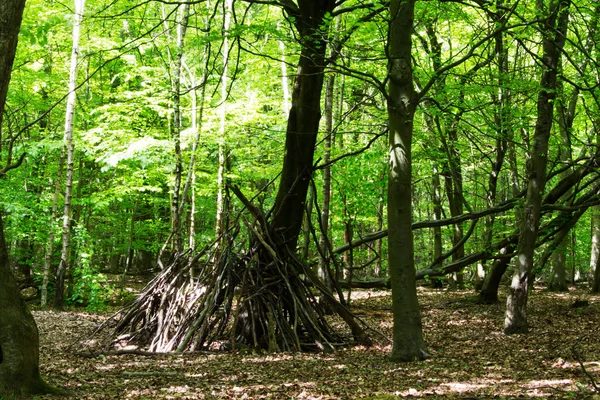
(463, 387)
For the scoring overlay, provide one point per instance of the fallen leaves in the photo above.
(470, 358)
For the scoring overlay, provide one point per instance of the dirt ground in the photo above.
(470, 358)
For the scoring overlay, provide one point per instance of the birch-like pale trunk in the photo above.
(326, 189)
(59, 287)
(177, 202)
(222, 201)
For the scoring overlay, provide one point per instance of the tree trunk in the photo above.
(59, 287)
(595, 262)
(566, 116)
(50, 245)
(303, 122)
(595, 256)
(491, 283)
(178, 199)
(379, 242)
(326, 190)
(19, 342)
(553, 32)
(402, 100)
(504, 134)
(222, 200)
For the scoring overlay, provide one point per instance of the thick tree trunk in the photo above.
(303, 123)
(491, 283)
(408, 337)
(19, 342)
(554, 32)
(59, 288)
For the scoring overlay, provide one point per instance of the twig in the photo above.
(590, 377)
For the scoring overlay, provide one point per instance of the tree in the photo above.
(402, 102)
(59, 290)
(553, 30)
(19, 341)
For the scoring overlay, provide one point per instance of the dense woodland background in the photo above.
(255, 161)
(134, 137)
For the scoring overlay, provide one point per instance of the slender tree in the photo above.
(553, 31)
(222, 200)
(178, 200)
(59, 288)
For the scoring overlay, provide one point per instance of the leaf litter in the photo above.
(470, 357)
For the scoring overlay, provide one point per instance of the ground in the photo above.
(470, 358)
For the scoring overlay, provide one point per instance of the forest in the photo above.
(299, 199)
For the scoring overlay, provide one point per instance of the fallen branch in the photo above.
(585, 371)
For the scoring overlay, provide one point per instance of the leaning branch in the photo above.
(7, 168)
(508, 205)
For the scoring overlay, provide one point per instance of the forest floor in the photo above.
(470, 358)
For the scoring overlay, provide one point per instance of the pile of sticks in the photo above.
(262, 296)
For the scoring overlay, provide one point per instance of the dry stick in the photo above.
(329, 249)
(590, 377)
(297, 304)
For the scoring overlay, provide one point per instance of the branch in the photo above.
(590, 377)
(287, 5)
(353, 153)
(431, 224)
(4, 170)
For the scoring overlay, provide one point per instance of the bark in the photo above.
(285, 88)
(222, 200)
(553, 32)
(326, 190)
(50, 245)
(504, 134)
(566, 116)
(303, 122)
(491, 283)
(595, 253)
(19, 342)
(595, 262)
(379, 242)
(402, 100)
(59, 287)
(178, 199)
(308, 222)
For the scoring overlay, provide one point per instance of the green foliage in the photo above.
(125, 150)
(91, 288)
